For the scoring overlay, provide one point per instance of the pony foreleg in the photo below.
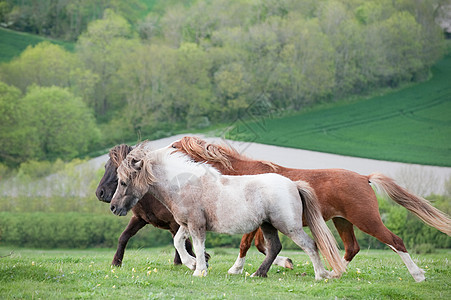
(133, 227)
(179, 244)
(198, 236)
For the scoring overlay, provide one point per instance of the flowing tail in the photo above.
(417, 205)
(321, 233)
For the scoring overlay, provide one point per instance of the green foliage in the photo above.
(83, 230)
(64, 19)
(60, 230)
(46, 123)
(13, 138)
(198, 63)
(45, 64)
(62, 125)
(413, 231)
(424, 249)
(407, 125)
(13, 43)
(101, 49)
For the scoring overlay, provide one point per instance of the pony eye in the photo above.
(123, 183)
(173, 146)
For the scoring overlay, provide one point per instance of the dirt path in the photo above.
(422, 180)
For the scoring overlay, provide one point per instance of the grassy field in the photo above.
(12, 43)
(149, 274)
(411, 125)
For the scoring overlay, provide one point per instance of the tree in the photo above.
(47, 64)
(102, 48)
(14, 138)
(145, 75)
(345, 36)
(310, 72)
(47, 123)
(232, 85)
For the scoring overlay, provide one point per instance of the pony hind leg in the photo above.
(376, 228)
(245, 244)
(281, 261)
(273, 248)
(309, 246)
(346, 231)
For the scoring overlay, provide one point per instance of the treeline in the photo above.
(191, 64)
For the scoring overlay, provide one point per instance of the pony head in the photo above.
(134, 178)
(108, 184)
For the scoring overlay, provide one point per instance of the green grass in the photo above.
(13, 43)
(411, 125)
(149, 274)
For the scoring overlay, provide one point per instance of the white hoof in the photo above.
(191, 264)
(324, 275)
(234, 270)
(334, 274)
(200, 273)
(419, 276)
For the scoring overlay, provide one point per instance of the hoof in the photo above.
(200, 273)
(334, 274)
(419, 277)
(324, 275)
(235, 271)
(256, 274)
(289, 264)
(116, 263)
(191, 265)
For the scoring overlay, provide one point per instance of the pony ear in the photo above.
(137, 164)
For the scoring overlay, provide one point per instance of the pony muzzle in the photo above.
(119, 211)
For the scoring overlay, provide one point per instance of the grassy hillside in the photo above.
(12, 43)
(411, 125)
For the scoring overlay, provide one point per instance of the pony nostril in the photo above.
(102, 193)
(113, 208)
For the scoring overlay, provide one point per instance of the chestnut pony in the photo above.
(148, 211)
(202, 199)
(344, 196)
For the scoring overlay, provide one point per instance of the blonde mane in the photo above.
(130, 169)
(214, 153)
(197, 147)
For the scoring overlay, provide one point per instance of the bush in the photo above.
(83, 230)
(424, 249)
(72, 230)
